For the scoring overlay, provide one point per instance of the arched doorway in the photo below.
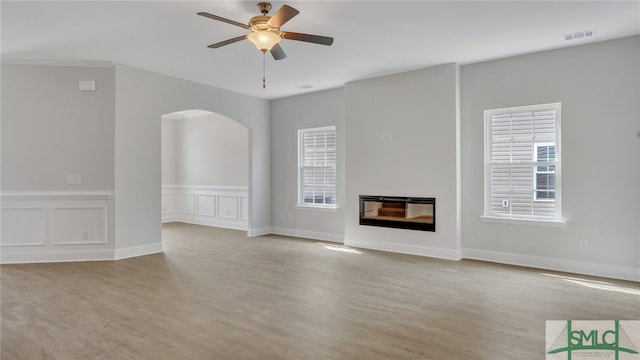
(205, 165)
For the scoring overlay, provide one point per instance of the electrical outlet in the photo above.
(584, 244)
(505, 203)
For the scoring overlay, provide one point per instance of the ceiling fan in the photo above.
(265, 30)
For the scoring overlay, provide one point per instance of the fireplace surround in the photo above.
(415, 213)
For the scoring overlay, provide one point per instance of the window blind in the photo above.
(521, 175)
(318, 166)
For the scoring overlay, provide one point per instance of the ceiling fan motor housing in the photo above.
(259, 23)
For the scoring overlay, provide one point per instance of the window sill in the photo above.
(320, 208)
(519, 221)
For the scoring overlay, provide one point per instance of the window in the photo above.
(317, 167)
(522, 162)
(544, 179)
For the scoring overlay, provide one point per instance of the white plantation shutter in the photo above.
(522, 147)
(317, 166)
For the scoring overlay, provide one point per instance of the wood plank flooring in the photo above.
(217, 294)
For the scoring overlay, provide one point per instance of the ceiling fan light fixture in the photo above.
(264, 40)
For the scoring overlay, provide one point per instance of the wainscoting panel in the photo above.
(185, 204)
(244, 208)
(168, 203)
(24, 227)
(45, 226)
(206, 205)
(80, 225)
(219, 206)
(228, 207)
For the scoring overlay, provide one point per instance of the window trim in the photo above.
(490, 216)
(300, 199)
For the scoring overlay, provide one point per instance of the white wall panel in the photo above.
(168, 203)
(21, 227)
(45, 226)
(220, 206)
(244, 208)
(80, 225)
(207, 205)
(185, 204)
(228, 207)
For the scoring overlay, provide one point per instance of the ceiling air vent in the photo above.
(579, 35)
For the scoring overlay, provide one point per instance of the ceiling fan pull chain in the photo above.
(264, 79)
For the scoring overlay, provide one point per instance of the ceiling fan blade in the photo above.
(277, 52)
(219, 18)
(284, 14)
(227, 42)
(316, 39)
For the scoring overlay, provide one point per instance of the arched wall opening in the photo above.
(205, 166)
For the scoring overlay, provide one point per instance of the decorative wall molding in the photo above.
(541, 262)
(53, 226)
(57, 195)
(219, 206)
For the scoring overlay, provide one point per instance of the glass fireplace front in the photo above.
(398, 212)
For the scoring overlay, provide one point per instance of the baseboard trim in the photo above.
(135, 251)
(316, 235)
(78, 256)
(207, 222)
(259, 231)
(169, 219)
(434, 252)
(564, 265)
(53, 257)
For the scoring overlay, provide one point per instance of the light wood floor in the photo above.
(216, 294)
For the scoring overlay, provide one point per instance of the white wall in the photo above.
(599, 88)
(142, 98)
(211, 150)
(169, 151)
(318, 109)
(418, 110)
(51, 130)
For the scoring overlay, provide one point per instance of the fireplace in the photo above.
(398, 212)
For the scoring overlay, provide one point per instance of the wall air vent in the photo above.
(579, 35)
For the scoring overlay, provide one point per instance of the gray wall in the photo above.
(323, 108)
(599, 88)
(208, 150)
(169, 151)
(420, 111)
(51, 130)
(142, 98)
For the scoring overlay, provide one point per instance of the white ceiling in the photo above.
(372, 38)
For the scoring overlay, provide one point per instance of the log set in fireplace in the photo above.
(398, 212)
